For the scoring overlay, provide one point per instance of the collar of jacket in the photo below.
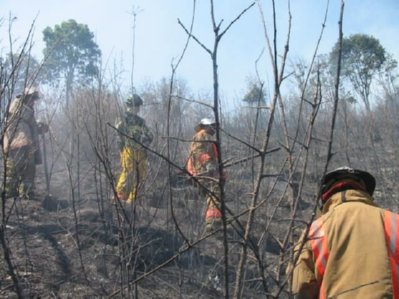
(350, 195)
(200, 130)
(202, 134)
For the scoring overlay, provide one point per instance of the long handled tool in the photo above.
(46, 174)
(182, 180)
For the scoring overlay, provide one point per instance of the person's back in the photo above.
(355, 251)
(347, 252)
(202, 152)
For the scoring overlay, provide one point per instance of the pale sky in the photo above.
(160, 39)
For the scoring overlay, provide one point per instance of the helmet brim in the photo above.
(345, 173)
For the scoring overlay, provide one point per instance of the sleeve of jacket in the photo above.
(120, 126)
(304, 282)
(147, 136)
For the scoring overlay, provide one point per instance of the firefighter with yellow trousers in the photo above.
(352, 250)
(21, 144)
(133, 157)
(203, 164)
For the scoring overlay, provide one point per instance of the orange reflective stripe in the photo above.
(391, 222)
(190, 167)
(318, 242)
(203, 158)
(213, 213)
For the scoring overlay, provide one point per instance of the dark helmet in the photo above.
(30, 92)
(348, 173)
(134, 101)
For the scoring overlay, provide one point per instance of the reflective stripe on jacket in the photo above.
(352, 251)
(391, 222)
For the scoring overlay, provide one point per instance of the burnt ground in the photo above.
(86, 249)
(54, 258)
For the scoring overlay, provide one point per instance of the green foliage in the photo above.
(363, 58)
(362, 54)
(255, 94)
(70, 53)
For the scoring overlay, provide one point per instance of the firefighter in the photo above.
(21, 144)
(133, 157)
(352, 249)
(203, 164)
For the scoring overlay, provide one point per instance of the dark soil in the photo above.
(96, 248)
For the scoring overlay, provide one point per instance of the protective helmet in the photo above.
(347, 172)
(203, 123)
(30, 91)
(134, 101)
(206, 122)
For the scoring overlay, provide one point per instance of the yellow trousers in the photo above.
(134, 170)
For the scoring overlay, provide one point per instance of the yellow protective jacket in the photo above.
(351, 251)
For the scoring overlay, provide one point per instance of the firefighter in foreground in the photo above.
(352, 250)
(133, 157)
(21, 145)
(203, 164)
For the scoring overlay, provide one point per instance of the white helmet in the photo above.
(206, 122)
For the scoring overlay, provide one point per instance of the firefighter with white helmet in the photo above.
(134, 133)
(351, 250)
(21, 144)
(203, 164)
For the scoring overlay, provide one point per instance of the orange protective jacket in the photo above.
(351, 251)
(203, 151)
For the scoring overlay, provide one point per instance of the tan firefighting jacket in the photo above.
(22, 129)
(352, 251)
(203, 151)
